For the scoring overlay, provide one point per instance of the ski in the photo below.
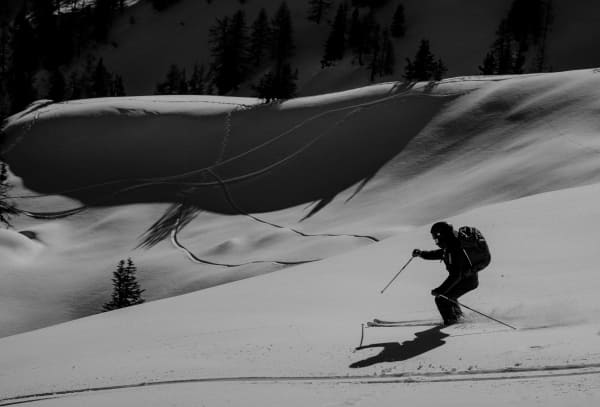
(410, 321)
(400, 325)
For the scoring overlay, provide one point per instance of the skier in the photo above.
(462, 276)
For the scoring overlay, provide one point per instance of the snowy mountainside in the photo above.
(374, 161)
(299, 327)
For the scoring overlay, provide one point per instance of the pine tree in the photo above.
(7, 209)
(489, 64)
(277, 84)
(229, 49)
(259, 38)
(196, 84)
(74, 86)
(525, 25)
(175, 83)
(101, 80)
(375, 48)
(398, 27)
(318, 10)
(424, 67)
(335, 45)
(126, 290)
(118, 88)
(282, 37)
(355, 34)
(388, 58)
(439, 70)
(367, 37)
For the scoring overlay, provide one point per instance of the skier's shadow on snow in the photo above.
(397, 352)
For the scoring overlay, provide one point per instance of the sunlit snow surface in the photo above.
(464, 149)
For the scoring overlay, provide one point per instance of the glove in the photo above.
(416, 253)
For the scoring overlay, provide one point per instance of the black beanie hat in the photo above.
(442, 229)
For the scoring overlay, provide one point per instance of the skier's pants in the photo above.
(450, 311)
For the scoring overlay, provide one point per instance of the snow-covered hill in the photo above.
(375, 160)
(517, 157)
(293, 332)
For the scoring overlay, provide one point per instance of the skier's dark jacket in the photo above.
(456, 262)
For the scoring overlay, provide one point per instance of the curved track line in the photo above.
(510, 373)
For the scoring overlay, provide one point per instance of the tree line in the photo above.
(41, 39)
(521, 39)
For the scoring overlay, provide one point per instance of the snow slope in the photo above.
(289, 337)
(437, 151)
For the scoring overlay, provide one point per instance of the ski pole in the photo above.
(480, 313)
(397, 274)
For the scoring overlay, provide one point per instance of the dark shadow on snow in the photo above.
(397, 352)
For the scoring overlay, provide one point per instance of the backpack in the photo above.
(475, 247)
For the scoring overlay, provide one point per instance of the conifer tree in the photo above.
(7, 209)
(196, 84)
(525, 25)
(280, 81)
(388, 58)
(318, 10)
(355, 34)
(489, 65)
(126, 289)
(398, 27)
(375, 48)
(175, 82)
(282, 37)
(335, 45)
(101, 80)
(277, 84)
(118, 88)
(259, 38)
(229, 47)
(424, 67)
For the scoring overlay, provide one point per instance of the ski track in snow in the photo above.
(509, 373)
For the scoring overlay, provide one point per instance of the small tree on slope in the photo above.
(126, 290)
(6, 208)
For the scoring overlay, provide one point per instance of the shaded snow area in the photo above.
(353, 181)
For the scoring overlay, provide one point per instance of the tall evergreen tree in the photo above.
(398, 27)
(260, 35)
(196, 84)
(126, 289)
(282, 36)
(355, 33)
(489, 65)
(335, 46)
(525, 25)
(101, 80)
(229, 48)
(388, 57)
(375, 48)
(424, 67)
(118, 88)
(175, 82)
(277, 84)
(318, 10)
